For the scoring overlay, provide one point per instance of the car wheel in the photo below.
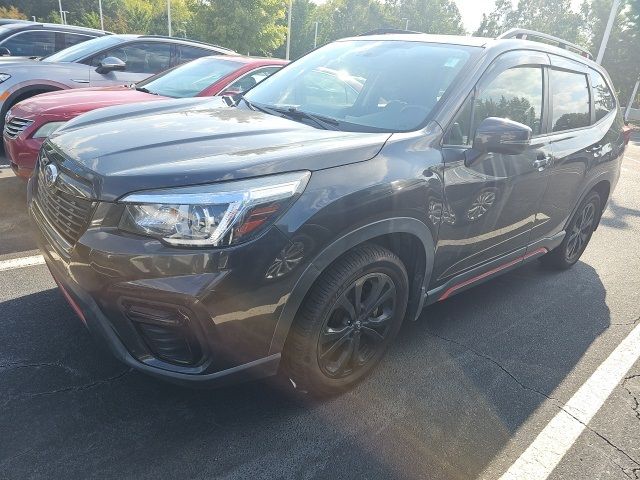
(579, 231)
(347, 321)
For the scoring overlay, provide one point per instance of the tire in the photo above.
(579, 231)
(319, 353)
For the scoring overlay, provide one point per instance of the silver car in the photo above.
(108, 60)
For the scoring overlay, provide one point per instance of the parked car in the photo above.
(108, 60)
(299, 229)
(31, 39)
(30, 122)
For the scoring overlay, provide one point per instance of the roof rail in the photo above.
(188, 40)
(524, 34)
(387, 31)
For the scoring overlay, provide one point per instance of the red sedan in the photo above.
(29, 122)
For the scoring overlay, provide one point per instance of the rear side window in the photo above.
(515, 94)
(186, 54)
(603, 99)
(570, 100)
(30, 44)
(140, 57)
(70, 39)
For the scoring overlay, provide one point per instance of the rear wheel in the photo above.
(347, 322)
(579, 232)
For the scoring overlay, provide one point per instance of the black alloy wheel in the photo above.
(347, 321)
(357, 326)
(579, 231)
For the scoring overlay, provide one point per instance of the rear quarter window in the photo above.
(570, 98)
(603, 99)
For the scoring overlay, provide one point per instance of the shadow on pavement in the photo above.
(615, 216)
(16, 231)
(452, 391)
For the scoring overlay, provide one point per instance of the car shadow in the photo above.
(16, 230)
(616, 215)
(452, 391)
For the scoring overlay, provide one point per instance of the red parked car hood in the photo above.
(67, 104)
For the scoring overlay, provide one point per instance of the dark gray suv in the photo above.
(298, 228)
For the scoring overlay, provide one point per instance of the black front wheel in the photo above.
(579, 231)
(348, 320)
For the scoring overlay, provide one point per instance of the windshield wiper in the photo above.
(144, 90)
(295, 114)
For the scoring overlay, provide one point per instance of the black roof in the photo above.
(16, 26)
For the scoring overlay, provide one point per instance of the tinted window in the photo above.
(84, 49)
(27, 44)
(186, 54)
(251, 79)
(191, 78)
(515, 94)
(570, 100)
(603, 99)
(367, 85)
(140, 57)
(71, 39)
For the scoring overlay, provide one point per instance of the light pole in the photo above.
(607, 30)
(406, 23)
(289, 30)
(64, 16)
(315, 37)
(101, 18)
(169, 16)
(60, 8)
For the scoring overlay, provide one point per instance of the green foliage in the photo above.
(11, 12)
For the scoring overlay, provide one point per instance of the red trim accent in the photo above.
(458, 286)
(71, 301)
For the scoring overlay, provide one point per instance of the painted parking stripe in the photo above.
(21, 262)
(554, 441)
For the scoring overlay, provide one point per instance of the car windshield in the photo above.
(365, 85)
(83, 49)
(189, 79)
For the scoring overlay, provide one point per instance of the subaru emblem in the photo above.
(50, 174)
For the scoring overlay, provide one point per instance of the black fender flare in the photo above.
(334, 250)
(585, 191)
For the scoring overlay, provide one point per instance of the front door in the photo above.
(490, 207)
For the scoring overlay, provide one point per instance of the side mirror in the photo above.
(111, 64)
(231, 92)
(500, 135)
(4, 51)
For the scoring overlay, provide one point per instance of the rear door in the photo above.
(581, 137)
(490, 207)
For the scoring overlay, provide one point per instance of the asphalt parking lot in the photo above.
(463, 393)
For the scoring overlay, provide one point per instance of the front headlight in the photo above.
(212, 215)
(47, 129)
(4, 77)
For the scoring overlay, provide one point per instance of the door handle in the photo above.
(541, 162)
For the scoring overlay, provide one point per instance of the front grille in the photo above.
(16, 126)
(66, 213)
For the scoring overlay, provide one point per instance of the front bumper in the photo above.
(229, 306)
(22, 153)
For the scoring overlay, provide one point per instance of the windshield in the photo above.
(191, 78)
(366, 85)
(83, 49)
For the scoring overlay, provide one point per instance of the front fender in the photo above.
(334, 250)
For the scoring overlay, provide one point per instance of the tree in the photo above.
(253, 26)
(554, 17)
(428, 16)
(12, 12)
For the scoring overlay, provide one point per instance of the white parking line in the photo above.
(21, 262)
(554, 441)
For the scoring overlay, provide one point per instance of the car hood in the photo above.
(67, 104)
(188, 142)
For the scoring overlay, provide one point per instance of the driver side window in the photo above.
(515, 94)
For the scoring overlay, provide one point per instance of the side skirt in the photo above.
(492, 269)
